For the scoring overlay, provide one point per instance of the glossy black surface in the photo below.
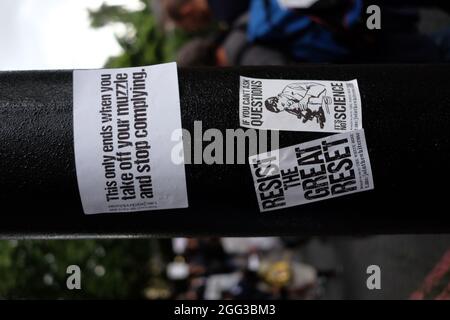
(406, 116)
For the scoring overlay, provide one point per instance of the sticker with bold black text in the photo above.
(325, 168)
(300, 105)
(123, 123)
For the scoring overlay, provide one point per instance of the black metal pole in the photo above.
(406, 117)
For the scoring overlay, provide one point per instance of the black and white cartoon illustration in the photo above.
(305, 100)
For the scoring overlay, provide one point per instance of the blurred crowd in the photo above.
(281, 32)
(278, 32)
(243, 268)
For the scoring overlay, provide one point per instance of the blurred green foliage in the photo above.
(145, 42)
(110, 268)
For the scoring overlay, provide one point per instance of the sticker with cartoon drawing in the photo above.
(300, 105)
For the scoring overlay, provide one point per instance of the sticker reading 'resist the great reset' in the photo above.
(325, 168)
(123, 123)
(300, 105)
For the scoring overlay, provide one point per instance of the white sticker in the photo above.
(123, 123)
(300, 105)
(325, 168)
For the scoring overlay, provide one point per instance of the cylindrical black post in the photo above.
(406, 117)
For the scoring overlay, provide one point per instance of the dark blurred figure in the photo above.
(305, 34)
(199, 52)
(239, 51)
(336, 31)
(233, 49)
(321, 31)
(247, 288)
(206, 257)
(194, 15)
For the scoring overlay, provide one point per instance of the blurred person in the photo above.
(232, 50)
(199, 52)
(290, 279)
(239, 51)
(178, 273)
(206, 257)
(249, 288)
(331, 31)
(304, 37)
(178, 269)
(218, 260)
(195, 290)
(194, 15)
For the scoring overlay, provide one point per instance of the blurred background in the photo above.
(69, 34)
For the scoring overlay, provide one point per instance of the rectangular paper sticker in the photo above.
(124, 122)
(300, 105)
(317, 170)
